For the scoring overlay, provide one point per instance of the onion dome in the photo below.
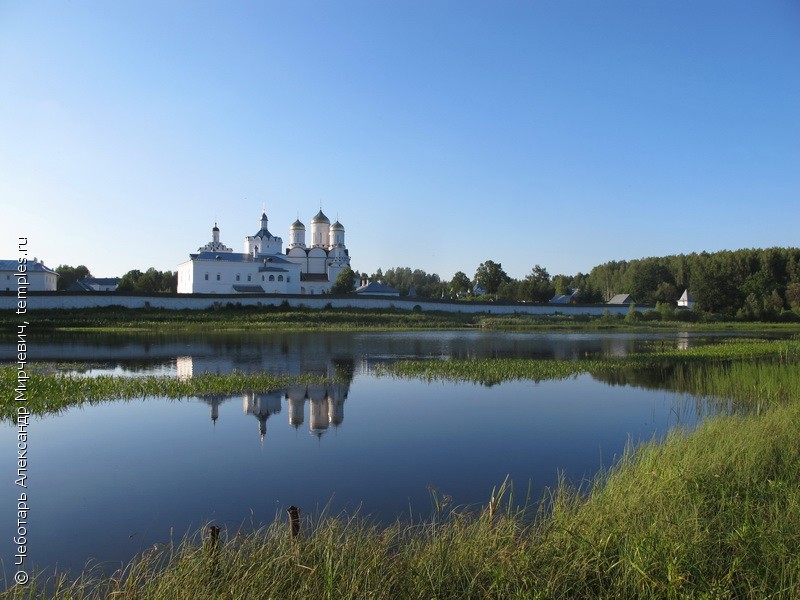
(337, 226)
(321, 218)
(215, 227)
(297, 225)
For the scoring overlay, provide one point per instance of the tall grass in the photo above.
(487, 371)
(713, 513)
(495, 370)
(751, 386)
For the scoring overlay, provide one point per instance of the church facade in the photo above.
(264, 267)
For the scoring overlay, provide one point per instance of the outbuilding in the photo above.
(39, 278)
(622, 299)
(686, 300)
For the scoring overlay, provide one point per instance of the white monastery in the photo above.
(263, 267)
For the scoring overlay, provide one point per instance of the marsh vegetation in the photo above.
(705, 513)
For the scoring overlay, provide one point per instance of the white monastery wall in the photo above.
(53, 300)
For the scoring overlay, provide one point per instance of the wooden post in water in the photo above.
(294, 522)
(213, 539)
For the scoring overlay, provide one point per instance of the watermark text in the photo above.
(20, 538)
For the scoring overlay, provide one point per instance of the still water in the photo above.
(108, 481)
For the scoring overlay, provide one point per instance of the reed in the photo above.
(488, 371)
(495, 370)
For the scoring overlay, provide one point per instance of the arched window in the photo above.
(280, 277)
(217, 276)
(288, 279)
(248, 278)
(237, 277)
(206, 276)
(272, 277)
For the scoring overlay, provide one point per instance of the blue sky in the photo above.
(441, 134)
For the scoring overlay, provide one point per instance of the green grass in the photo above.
(495, 370)
(712, 513)
(614, 323)
(233, 318)
(115, 319)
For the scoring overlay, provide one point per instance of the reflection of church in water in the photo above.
(325, 400)
(325, 406)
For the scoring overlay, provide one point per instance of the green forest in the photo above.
(747, 284)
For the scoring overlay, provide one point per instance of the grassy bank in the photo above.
(235, 319)
(115, 319)
(711, 514)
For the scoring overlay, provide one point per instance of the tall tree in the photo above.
(490, 275)
(537, 286)
(644, 278)
(460, 284)
(68, 275)
(150, 282)
(345, 282)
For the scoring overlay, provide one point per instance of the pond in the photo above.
(111, 480)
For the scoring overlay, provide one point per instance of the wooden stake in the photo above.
(213, 538)
(294, 522)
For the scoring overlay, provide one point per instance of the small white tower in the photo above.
(297, 235)
(337, 235)
(214, 245)
(320, 230)
(338, 257)
(263, 242)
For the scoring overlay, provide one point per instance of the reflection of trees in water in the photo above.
(344, 369)
(651, 379)
(696, 380)
(297, 352)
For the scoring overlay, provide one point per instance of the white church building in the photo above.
(263, 267)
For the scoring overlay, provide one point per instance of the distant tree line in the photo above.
(490, 278)
(151, 281)
(748, 284)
